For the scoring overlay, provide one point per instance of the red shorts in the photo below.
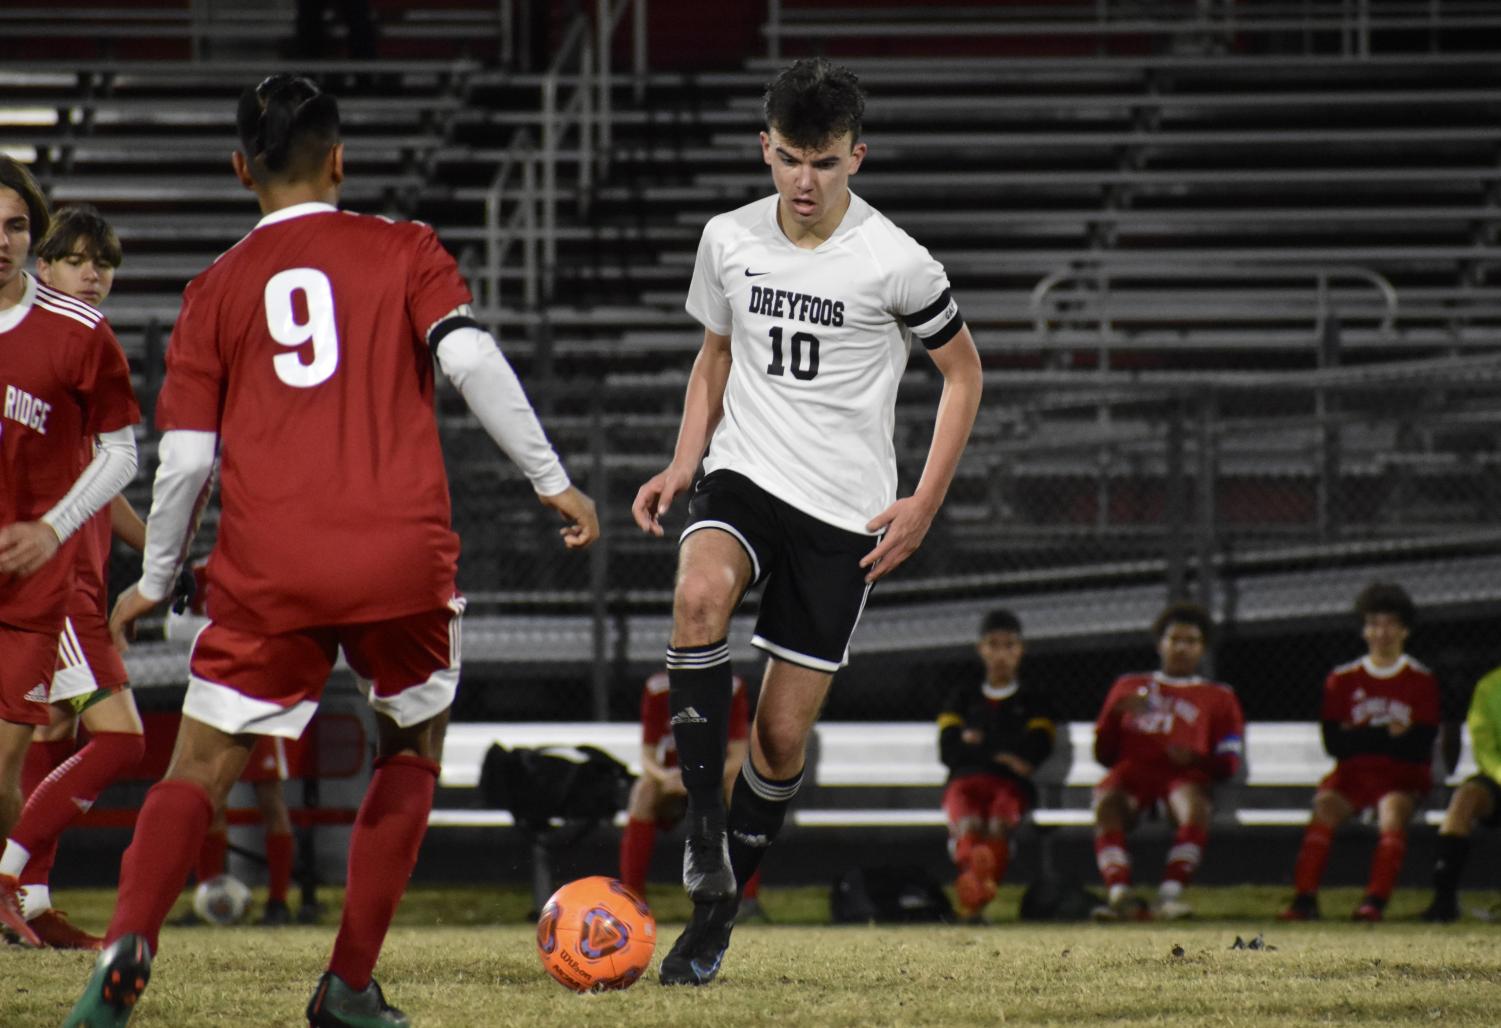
(25, 674)
(1362, 781)
(86, 659)
(987, 797)
(244, 682)
(1148, 784)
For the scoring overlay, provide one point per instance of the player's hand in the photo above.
(578, 510)
(906, 523)
(25, 546)
(672, 783)
(129, 608)
(656, 496)
(1015, 763)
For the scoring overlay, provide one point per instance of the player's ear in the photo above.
(857, 157)
(43, 272)
(335, 167)
(242, 169)
(766, 148)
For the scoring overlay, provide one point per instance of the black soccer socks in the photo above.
(700, 685)
(758, 808)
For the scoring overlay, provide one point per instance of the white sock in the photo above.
(13, 861)
(1118, 893)
(1169, 890)
(35, 899)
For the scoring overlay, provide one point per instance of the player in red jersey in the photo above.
(992, 734)
(1167, 736)
(659, 799)
(1380, 719)
(78, 257)
(303, 358)
(63, 381)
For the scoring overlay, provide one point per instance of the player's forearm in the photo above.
(181, 487)
(111, 470)
(703, 401)
(957, 407)
(471, 360)
(126, 524)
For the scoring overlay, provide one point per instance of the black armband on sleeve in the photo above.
(936, 323)
(447, 325)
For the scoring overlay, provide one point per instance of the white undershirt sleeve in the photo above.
(111, 470)
(483, 376)
(187, 462)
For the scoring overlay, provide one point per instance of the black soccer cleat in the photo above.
(120, 976)
(1441, 911)
(336, 1005)
(707, 875)
(698, 953)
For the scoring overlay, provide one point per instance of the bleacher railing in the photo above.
(575, 105)
(1192, 25)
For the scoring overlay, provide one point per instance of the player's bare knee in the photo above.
(701, 607)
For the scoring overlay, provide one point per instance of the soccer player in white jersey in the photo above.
(809, 299)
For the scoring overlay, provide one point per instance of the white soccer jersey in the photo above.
(819, 340)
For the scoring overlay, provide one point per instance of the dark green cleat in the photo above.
(120, 976)
(336, 1005)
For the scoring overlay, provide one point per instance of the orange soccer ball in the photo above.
(596, 934)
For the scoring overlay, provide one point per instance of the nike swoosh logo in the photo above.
(752, 274)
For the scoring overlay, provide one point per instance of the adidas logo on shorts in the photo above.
(38, 693)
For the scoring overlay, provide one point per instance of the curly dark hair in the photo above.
(1183, 613)
(813, 102)
(1386, 598)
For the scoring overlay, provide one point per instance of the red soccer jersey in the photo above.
(64, 380)
(1195, 713)
(1362, 695)
(305, 348)
(656, 717)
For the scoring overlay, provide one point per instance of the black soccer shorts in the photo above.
(815, 587)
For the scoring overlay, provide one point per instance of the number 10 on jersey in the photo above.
(804, 348)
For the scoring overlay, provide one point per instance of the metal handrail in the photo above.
(1354, 21)
(1103, 275)
(575, 96)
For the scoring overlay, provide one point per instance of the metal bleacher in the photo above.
(1154, 211)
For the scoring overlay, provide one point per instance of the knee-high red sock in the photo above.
(636, 845)
(280, 848)
(42, 758)
(1112, 858)
(1313, 857)
(382, 854)
(69, 790)
(168, 833)
(209, 861)
(964, 850)
(1000, 852)
(1385, 866)
(74, 785)
(752, 887)
(1188, 849)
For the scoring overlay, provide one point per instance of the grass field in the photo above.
(464, 958)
